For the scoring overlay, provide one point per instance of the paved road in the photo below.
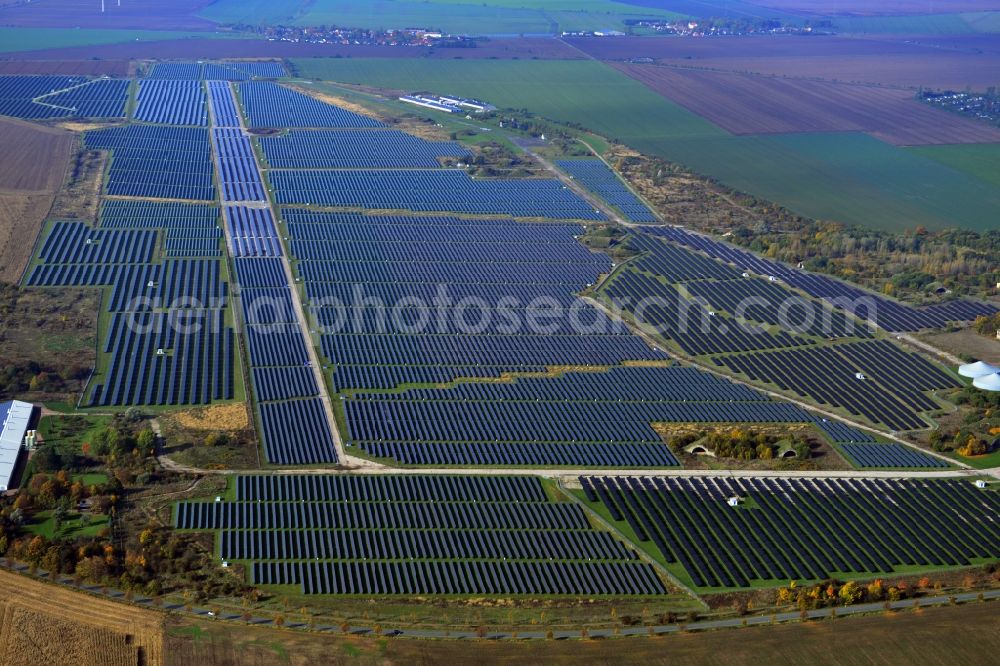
(701, 625)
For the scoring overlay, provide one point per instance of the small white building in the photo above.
(733, 501)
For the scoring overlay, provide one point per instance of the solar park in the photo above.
(793, 529)
(244, 206)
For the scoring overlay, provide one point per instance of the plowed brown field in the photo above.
(48, 624)
(891, 62)
(117, 68)
(749, 104)
(33, 168)
(34, 157)
(21, 217)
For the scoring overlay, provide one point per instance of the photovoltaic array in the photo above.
(579, 418)
(801, 529)
(157, 161)
(294, 427)
(223, 105)
(595, 175)
(239, 177)
(434, 190)
(888, 314)
(417, 535)
(166, 342)
(873, 379)
(172, 102)
(41, 97)
(707, 307)
(267, 104)
(218, 71)
(374, 284)
(355, 149)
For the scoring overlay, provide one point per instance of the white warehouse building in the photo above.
(15, 419)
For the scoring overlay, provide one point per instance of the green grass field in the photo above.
(27, 39)
(73, 525)
(585, 92)
(979, 160)
(926, 24)
(851, 178)
(454, 16)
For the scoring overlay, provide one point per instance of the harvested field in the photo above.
(748, 104)
(959, 634)
(779, 46)
(21, 217)
(53, 625)
(138, 14)
(35, 157)
(885, 62)
(113, 68)
(526, 48)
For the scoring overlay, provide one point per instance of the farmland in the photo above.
(29, 39)
(92, 630)
(126, 17)
(888, 62)
(937, 635)
(851, 178)
(494, 17)
(763, 105)
(33, 170)
(981, 161)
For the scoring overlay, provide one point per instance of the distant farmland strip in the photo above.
(745, 104)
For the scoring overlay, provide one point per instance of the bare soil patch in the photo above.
(34, 156)
(217, 417)
(115, 68)
(21, 217)
(892, 62)
(966, 341)
(750, 104)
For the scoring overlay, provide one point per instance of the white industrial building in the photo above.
(988, 382)
(15, 419)
(977, 369)
(448, 104)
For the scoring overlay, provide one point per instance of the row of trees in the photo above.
(837, 593)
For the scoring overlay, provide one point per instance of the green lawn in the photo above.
(73, 526)
(454, 16)
(979, 160)
(68, 432)
(28, 39)
(851, 178)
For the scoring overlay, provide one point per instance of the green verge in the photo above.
(32, 39)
